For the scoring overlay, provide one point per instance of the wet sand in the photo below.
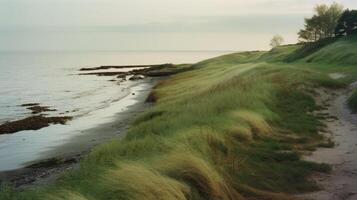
(341, 183)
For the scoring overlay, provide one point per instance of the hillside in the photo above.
(233, 127)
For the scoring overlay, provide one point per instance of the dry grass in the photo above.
(137, 182)
(204, 180)
(257, 123)
(66, 195)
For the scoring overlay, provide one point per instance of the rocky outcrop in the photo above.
(31, 123)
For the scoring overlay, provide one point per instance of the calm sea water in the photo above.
(51, 79)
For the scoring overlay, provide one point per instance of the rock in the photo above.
(36, 108)
(31, 123)
(29, 104)
(39, 109)
(122, 76)
(152, 98)
(104, 73)
(136, 77)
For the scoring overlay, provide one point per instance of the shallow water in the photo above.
(51, 79)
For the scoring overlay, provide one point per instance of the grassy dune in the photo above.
(230, 128)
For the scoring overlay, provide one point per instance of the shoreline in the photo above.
(65, 157)
(59, 160)
(82, 132)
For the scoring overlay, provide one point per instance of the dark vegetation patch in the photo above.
(293, 107)
(36, 108)
(152, 97)
(268, 169)
(352, 101)
(52, 162)
(327, 82)
(36, 171)
(327, 144)
(39, 109)
(309, 48)
(148, 116)
(31, 123)
(278, 54)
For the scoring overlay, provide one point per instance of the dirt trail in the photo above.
(341, 183)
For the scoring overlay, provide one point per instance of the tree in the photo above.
(306, 35)
(276, 41)
(313, 29)
(347, 24)
(322, 24)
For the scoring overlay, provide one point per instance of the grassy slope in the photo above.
(231, 128)
(340, 56)
(341, 52)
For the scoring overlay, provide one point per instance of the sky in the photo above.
(151, 24)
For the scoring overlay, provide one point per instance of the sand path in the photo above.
(341, 183)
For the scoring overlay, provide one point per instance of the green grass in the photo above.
(227, 128)
(308, 49)
(342, 52)
(281, 53)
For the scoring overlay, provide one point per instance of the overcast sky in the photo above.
(258, 19)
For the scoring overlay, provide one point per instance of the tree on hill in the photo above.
(347, 24)
(322, 24)
(276, 41)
